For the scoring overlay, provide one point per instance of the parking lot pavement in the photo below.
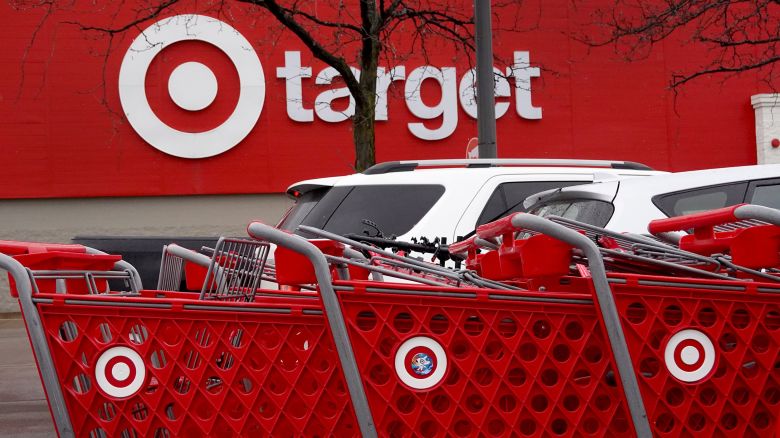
(23, 408)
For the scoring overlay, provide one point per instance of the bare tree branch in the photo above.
(738, 35)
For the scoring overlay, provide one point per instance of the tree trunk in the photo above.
(365, 103)
(363, 130)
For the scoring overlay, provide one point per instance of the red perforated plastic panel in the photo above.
(527, 368)
(202, 373)
(707, 360)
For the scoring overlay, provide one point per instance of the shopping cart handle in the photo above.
(338, 328)
(497, 228)
(695, 220)
(188, 255)
(463, 246)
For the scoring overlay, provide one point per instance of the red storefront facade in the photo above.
(222, 105)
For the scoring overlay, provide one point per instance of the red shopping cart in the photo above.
(537, 351)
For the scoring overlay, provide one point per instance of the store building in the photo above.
(197, 124)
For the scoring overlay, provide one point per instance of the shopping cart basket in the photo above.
(587, 356)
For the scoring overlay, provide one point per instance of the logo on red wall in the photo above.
(192, 86)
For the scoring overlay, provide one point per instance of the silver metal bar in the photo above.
(189, 255)
(519, 162)
(670, 237)
(235, 270)
(335, 317)
(538, 299)
(627, 237)
(608, 308)
(692, 285)
(89, 277)
(40, 347)
(416, 263)
(171, 267)
(758, 212)
(237, 309)
(357, 255)
(674, 254)
(485, 243)
(119, 304)
(488, 284)
(670, 265)
(420, 292)
(385, 271)
(429, 269)
(108, 275)
(121, 265)
(760, 274)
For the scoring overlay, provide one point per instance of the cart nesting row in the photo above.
(555, 328)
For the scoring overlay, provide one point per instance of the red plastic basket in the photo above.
(536, 367)
(729, 384)
(208, 370)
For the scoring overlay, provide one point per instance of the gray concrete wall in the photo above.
(59, 220)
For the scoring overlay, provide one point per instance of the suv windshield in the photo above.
(590, 211)
(395, 209)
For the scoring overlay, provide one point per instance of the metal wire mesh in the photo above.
(171, 270)
(235, 271)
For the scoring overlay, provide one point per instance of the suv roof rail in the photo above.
(404, 166)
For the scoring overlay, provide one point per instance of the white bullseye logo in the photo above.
(420, 362)
(689, 355)
(192, 86)
(120, 372)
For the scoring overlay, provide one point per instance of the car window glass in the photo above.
(302, 207)
(702, 199)
(395, 209)
(589, 211)
(323, 210)
(508, 197)
(768, 196)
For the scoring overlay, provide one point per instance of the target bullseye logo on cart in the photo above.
(690, 355)
(120, 372)
(192, 86)
(420, 362)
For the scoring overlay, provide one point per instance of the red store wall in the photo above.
(64, 132)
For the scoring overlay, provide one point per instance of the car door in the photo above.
(504, 194)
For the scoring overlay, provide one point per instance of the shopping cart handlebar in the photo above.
(121, 265)
(758, 212)
(708, 219)
(696, 220)
(525, 221)
(463, 246)
(188, 255)
(261, 231)
(497, 228)
(39, 344)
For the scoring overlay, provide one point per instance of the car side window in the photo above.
(394, 208)
(765, 192)
(508, 197)
(700, 199)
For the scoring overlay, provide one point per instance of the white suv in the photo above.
(440, 199)
(629, 205)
